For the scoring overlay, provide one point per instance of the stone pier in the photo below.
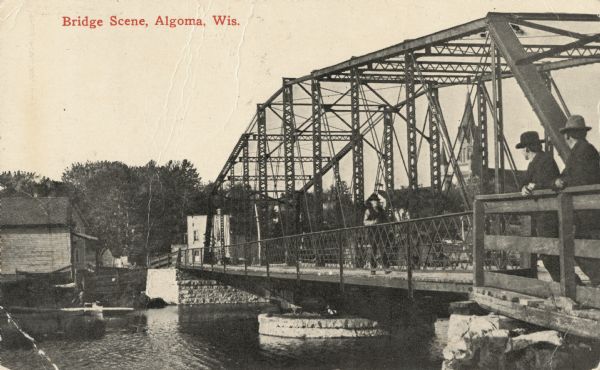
(193, 290)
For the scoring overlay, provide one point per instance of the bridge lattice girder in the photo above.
(319, 118)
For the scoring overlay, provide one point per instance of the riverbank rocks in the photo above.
(308, 325)
(195, 291)
(497, 342)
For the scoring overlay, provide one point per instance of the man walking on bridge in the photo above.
(541, 173)
(582, 168)
(375, 214)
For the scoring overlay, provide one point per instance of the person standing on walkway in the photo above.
(582, 168)
(541, 173)
(375, 214)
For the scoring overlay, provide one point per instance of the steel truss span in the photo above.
(367, 105)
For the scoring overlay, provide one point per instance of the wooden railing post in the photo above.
(178, 262)
(478, 242)
(566, 245)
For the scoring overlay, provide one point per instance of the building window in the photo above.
(196, 236)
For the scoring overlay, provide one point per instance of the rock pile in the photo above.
(498, 342)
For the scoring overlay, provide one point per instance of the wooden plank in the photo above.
(519, 284)
(588, 296)
(522, 244)
(567, 245)
(521, 205)
(583, 189)
(556, 320)
(532, 244)
(586, 201)
(478, 242)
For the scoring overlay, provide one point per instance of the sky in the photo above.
(135, 94)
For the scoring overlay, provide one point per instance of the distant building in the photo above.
(196, 228)
(43, 235)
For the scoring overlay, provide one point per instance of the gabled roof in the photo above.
(19, 211)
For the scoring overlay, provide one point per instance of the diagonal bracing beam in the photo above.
(531, 82)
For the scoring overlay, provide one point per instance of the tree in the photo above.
(138, 211)
(22, 183)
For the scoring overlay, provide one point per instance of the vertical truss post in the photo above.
(288, 137)
(388, 150)
(317, 153)
(411, 121)
(298, 228)
(245, 164)
(336, 174)
(232, 176)
(261, 127)
(547, 140)
(498, 126)
(246, 185)
(434, 145)
(358, 185)
(261, 124)
(481, 139)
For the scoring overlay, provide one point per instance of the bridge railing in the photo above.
(575, 208)
(441, 242)
(163, 260)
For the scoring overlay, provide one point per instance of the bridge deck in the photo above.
(439, 281)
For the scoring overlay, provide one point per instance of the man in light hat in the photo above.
(582, 168)
(375, 214)
(541, 173)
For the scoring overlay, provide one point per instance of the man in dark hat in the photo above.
(582, 168)
(541, 173)
(375, 214)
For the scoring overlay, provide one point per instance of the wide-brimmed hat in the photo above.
(529, 138)
(373, 196)
(575, 123)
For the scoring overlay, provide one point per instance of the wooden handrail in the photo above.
(541, 193)
(565, 204)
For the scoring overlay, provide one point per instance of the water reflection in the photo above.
(216, 337)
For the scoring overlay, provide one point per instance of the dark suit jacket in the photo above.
(542, 171)
(583, 166)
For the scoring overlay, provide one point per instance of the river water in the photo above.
(221, 337)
